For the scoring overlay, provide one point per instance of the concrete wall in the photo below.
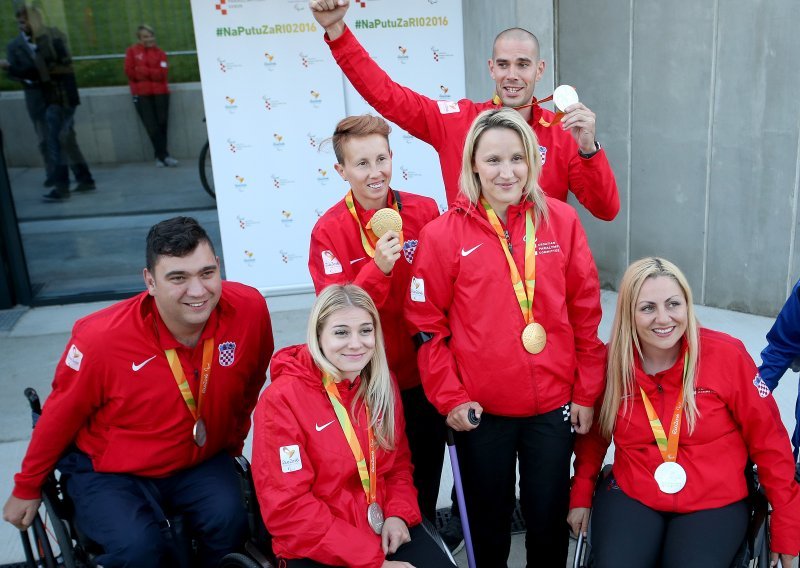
(108, 128)
(697, 107)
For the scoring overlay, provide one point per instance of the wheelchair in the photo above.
(53, 540)
(752, 553)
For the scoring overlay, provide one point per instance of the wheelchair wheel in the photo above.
(238, 560)
(206, 172)
(61, 535)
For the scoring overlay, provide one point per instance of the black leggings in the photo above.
(421, 552)
(627, 533)
(488, 459)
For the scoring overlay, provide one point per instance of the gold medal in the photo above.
(534, 338)
(386, 219)
(375, 517)
(200, 433)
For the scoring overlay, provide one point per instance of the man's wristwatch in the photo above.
(590, 154)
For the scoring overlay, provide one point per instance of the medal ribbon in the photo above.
(368, 477)
(668, 446)
(183, 384)
(524, 292)
(556, 119)
(368, 238)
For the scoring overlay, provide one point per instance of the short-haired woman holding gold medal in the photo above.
(331, 463)
(505, 302)
(685, 407)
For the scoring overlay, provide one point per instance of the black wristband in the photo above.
(590, 154)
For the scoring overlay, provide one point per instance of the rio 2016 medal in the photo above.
(386, 219)
(564, 96)
(534, 338)
(671, 477)
(375, 517)
(199, 432)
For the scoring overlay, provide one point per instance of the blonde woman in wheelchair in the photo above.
(685, 407)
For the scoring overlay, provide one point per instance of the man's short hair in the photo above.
(519, 34)
(178, 236)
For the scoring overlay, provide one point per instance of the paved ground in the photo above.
(31, 349)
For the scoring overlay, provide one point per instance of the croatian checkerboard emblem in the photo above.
(543, 152)
(761, 386)
(409, 248)
(227, 353)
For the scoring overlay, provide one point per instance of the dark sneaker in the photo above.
(49, 183)
(85, 186)
(56, 195)
(452, 535)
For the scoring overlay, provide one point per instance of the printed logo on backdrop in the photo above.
(286, 219)
(223, 7)
(226, 65)
(270, 103)
(287, 257)
(322, 177)
(249, 258)
(403, 55)
(245, 223)
(235, 147)
(442, 207)
(439, 55)
(279, 182)
(543, 152)
(278, 142)
(239, 183)
(230, 105)
(307, 61)
(316, 99)
(319, 212)
(298, 5)
(444, 94)
(269, 61)
(408, 174)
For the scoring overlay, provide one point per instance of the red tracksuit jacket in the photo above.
(737, 418)
(114, 394)
(336, 256)
(462, 294)
(305, 474)
(444, 125)
(146, 68)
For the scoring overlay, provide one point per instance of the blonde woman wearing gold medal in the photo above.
(331, 463)
(505, 303)
(686, 408)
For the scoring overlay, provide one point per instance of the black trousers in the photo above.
(488, 458)
(426, 431)
(628, 534)
(421, 552)
(154, 112)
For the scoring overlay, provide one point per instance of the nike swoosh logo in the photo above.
(357, 260)
(136, 367)
(470, 251)
(321, 428)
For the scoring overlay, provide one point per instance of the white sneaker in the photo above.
(171, 162)
(160, 164)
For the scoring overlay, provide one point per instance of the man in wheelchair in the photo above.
(150, 402)
(686, 409)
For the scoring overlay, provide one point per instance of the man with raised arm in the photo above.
(571, 157)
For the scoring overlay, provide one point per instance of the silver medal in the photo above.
(671, 477)
(375, 517)
(199, 432)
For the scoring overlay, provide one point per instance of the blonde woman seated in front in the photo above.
(685, 407)
(330, 456)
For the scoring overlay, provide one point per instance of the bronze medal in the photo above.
(200, 433)
(386, 219)
(534, 338)
(375, 517)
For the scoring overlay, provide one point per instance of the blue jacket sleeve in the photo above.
(783, 341)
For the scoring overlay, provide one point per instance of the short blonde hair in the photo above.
(620, 380)
(508, 118)
(376, 383)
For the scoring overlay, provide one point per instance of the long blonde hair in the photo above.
(620, 380)
(376, 383)
(469, 182)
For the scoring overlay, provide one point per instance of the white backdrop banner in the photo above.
(272, 93)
